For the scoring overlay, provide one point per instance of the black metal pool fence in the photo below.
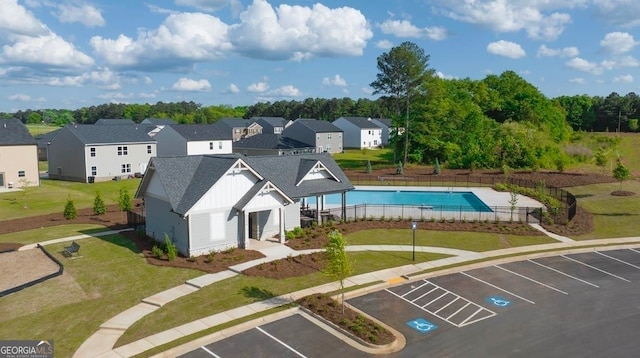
(564, 214)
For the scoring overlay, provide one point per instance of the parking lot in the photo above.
(583, 304)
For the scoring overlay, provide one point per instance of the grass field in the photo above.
(357, 158)
(51, 196)
(38, 129)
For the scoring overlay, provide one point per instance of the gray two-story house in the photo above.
(88, 153)
(192, 139)
(270, 125)
(322, 135)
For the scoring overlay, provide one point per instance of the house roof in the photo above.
(386, 121)
(317, 126)
(362, 122)
(44, 139)
(186, 179)
(14, 132)
(269, 141)
(197, 132)
(110, 121)
(101, 134)
(233, 122)
(158, 121)
(270, 121)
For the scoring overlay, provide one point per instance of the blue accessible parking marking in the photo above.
(422, 325)
(499, 301)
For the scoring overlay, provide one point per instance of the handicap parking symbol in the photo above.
(422, 325)
(499, 301)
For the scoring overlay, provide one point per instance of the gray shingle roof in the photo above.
(362, 122)
(105, 134)
(158, 121)
(386, 121)
(14, 132)
(44, 139)
(317, 126)
(233, 122)
(110, 121)
(269, 141)
(200, 131)
(271, 121)
(187, 178)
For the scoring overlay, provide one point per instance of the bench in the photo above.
(74, 248)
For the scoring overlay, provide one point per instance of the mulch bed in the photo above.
(293, 266)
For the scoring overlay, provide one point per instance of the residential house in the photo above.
(388, 130)
(155, 125)
(87, 153)
(112, 121)
(360, 132)
(238, 128)
(271, 144)
(18, 155)
(192, 139)
(271, 125)
(43, 143)
(322, 135)
(208, 203)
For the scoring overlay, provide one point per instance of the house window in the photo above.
(375, 142)
(126, 168)
(328, 148)
(148, 149)
(237, 130)
(219, 145)
(21, 173)
(92, 152)
(329, 136)
(94, 171)
(123, 150)
(210, 145)
(370, 132)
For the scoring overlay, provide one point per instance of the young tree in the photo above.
(621, 172)
(436, 168)
(338, 265)
(402, 73)
(124, 200)
(99, 208)
(368, 168)
(70, 211)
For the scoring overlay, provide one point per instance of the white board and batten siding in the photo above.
(155, 189)
(209, 147)
(226, 192)
(211, 231)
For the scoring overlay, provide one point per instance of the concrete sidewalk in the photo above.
(101, 343)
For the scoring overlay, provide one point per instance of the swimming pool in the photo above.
(458, 200)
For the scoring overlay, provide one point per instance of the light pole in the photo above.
(414, 225)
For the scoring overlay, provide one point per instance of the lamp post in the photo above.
(414, 225)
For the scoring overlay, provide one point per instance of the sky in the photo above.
(76, 53)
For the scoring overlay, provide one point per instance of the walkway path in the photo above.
(102, 342)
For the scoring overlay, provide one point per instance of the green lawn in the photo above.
(38, 129)
(109, 278)
(51, 196)
(50, 233)
(613, 216)
(357, 158)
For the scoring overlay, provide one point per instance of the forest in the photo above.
(496, 122)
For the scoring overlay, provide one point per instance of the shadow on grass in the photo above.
(614, 214)
(583, 196)
(115, 239)
(259, 294)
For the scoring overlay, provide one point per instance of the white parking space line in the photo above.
(456, 297)
(281, 342)
(616, 259)
(210, 352)
(498, 288)
(595, 268)
(636, 251)
(564, 274)
(532, 280)
(417, 288)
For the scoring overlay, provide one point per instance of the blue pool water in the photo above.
(464, 201)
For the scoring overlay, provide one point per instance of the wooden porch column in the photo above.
(245, 233)
(318, 211)
(282, 238)
(343, 212)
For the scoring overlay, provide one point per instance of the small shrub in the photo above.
(70, 211)
(289, 235)
(297, 231)
(211, 255)
(193, 259)
(172, 251)
(230, 250)
(157, 252)
(99, 208)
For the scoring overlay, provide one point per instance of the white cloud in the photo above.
(15, 20)
(618, 42)
(20, 97)
(187, 84)
(85, 14)
(623, 79)
(188, 36)
(147, 95)
(578, 81)
(384, 44)
(102, 78)
(147, 80)
(627, 61)
(115, 96)
(50, 50)
(233, 89)
(299, 32)
(506, 49)
(443, 76)
(205, 5)
(618, 12)
(583, 65)
(258, 87)
(367, 90)
(404, 28)
(544, 51)
(286, 91)
(335, 81)
(539, 18)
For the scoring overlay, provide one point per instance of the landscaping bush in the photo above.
(70, 211)
(172, 251)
